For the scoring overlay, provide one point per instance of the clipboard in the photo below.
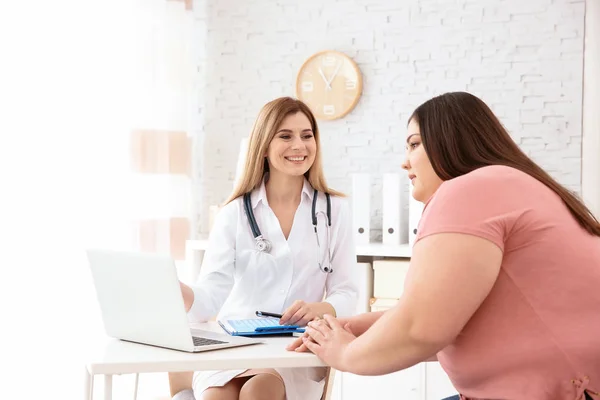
(258, 327)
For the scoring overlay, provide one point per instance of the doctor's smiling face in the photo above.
(293, 149)
(285, 142)
(423, 178)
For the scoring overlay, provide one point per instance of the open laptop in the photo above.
(140, 301)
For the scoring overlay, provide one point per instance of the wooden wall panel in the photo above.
(189, 4)
(151, 232)
(160, 152)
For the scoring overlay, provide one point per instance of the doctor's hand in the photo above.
(328, 340)
(300, 313)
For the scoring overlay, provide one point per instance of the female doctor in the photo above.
(282, 243)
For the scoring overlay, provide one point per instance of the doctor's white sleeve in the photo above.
(217, 272)
(342, 284)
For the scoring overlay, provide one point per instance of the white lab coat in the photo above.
(236, 280)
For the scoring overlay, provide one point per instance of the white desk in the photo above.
(115, 357)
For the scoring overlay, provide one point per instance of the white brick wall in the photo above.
(524, 58)
(590, 177)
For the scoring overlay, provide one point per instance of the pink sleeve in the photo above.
(474, 204)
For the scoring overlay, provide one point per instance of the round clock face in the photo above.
(330, 83)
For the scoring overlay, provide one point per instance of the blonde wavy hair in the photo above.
(266, 125)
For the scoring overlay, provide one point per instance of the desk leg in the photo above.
(88, 386)
(108, 387)
(135, 388)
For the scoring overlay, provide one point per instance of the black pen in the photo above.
(267, 314)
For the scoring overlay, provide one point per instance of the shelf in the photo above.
(368, 250)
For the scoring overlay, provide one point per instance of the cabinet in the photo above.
(425, 381)
(404, 385)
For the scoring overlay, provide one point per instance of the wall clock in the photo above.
(330, 83)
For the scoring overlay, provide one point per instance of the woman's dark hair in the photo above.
(460, 134)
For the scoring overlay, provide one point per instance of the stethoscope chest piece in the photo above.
(262, 244)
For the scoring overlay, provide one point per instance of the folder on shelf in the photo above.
(415, 209)
(361, 207)
(394, 226)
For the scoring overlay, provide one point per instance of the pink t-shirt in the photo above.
(537, 334)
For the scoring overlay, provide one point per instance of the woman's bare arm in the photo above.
(188, 296)
(432, 310)
(360, 323)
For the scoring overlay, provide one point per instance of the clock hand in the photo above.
(324, 79)
(333, 76)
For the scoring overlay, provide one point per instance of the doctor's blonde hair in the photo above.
(268, 121)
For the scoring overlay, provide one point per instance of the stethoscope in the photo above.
(264, 245)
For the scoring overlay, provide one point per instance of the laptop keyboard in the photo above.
(200, 341)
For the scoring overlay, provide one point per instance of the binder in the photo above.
(415, 209)
(361, 207)
(394, 227)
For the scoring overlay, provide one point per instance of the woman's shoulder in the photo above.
(340, 206)
(499, 171)
(495, 187)
(232, 209)
(492, 178)
(338, 200)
